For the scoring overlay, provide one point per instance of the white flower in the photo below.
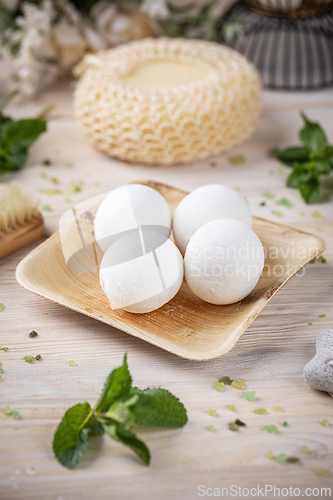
(68, 43)
(111, 25)
(51, 43)
(157, 9)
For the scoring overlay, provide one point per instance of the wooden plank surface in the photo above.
(270, 356)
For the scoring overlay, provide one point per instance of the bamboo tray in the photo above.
(186, 326)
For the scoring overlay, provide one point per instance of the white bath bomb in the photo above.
(223, 261)
(205, 204)
(141, 271)
(128, 207)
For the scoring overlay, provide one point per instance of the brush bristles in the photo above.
(16, 208)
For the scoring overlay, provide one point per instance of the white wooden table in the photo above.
(270, 356)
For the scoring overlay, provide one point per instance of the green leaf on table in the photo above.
(322, 167)
(120, 433)
(117, 385)
(120, 406)
(71, 439)
(309, 162)
(16, 137)
(290, 155)
(121, 411)
(313, 137)
(311, 190)
(158, 408)
(299, 176)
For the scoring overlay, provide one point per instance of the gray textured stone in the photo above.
(318, 373)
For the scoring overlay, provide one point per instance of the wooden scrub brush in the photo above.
(21, 223)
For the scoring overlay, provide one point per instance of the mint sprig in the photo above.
(119, 408)
(309, 162)
(16, 137)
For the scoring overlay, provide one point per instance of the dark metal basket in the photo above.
(289, 41)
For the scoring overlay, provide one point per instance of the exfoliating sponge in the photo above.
(167, 100)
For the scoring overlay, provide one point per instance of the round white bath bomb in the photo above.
(127, 208)
(205, 204)
(223, 261)
(141, 271)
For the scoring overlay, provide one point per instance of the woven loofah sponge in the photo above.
(167, 101)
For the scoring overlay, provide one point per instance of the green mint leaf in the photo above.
(313, 137)
(290, 155)
(117, 385)
(299, 176)
(119, 433)
(311, 190)
(120, 411)
(158, 408)
(329, 155)
(94, 426)
(22, 132)
(16, 137)
(71, 439)
(323, 167)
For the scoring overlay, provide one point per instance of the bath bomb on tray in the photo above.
(126, 209)
(141, 268)
(205, 204)
(141, 271)
(223, 261)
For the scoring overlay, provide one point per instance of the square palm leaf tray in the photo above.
(186, 326)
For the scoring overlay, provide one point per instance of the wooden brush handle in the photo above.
(21, 236)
